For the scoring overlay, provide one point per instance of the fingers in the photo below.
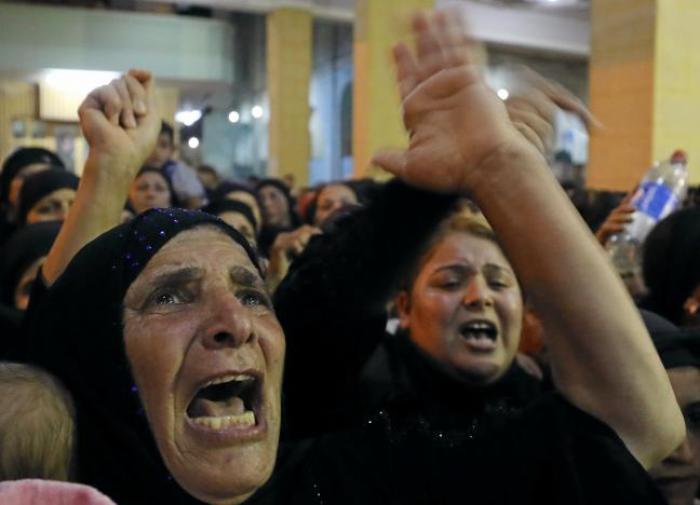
(406, 70)
(145, 78)
(427, 45)
(535, 101)
(543, 129)
(137, 94)
(108, 100)
(530, 135)
(393, 161)
(432, 44)
(127, 119)
(457, 47)
(560, 96)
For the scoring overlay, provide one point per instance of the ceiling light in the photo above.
(256, 112)
(188, 117)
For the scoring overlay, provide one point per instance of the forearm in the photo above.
(602, 357)
(97, 208)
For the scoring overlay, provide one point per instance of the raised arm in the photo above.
(462, 139)
(121, 123)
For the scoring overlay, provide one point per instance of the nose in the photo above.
(683, 455)
(478, 294)
(227, 322)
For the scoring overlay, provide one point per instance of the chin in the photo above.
(223, 485)
(480, 372)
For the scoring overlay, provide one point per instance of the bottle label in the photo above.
(655, 200)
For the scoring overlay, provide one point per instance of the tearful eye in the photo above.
(166, 299)
(254, 299)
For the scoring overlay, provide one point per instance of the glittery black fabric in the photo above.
(76, 333)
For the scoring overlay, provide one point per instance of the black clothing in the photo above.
(332, 306)
(218, 207)
(670, 267)
(551, 453)
(269, 233)
(75, 332)
(41, 184)
(22, 249)
(174, 200)
(548, 453)
(19, 159)
(12, 166)
(414, 434)
(10, 331)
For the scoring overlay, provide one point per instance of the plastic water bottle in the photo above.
(661, 192)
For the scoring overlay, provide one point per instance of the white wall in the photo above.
(525, 27)
(179, 48)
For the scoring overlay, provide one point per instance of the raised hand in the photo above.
(454, 119)
(286, 247)
(121, 124)
(120, 121)
(533, 104)
(617, 220)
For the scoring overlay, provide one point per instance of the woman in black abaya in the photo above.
(176, 310)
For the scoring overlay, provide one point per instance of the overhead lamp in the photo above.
(188, 117)
(256, 112)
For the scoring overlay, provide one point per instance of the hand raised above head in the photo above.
(454, 119)
(533, 105)
(120, 120)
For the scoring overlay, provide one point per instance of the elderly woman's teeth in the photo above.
(244, 420)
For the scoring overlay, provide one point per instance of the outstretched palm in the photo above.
(454, 119)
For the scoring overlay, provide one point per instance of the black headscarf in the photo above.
(174, 201)
(276, 183)
(218, 207)
(22, 249)
(226, 187)
(670, 263)
(676, 347)
(76, 333)
(18, 160)
(268, 234)
(38, 185)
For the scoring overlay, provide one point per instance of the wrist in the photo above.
(109, 171)
(505, 168)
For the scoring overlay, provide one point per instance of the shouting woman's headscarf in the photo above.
(77, 335)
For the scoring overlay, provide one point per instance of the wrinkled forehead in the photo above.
(197, 253)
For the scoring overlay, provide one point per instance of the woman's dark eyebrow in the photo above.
(175, 277)
(244, 277)
(498, 268)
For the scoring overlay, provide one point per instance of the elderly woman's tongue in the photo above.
(223, 402)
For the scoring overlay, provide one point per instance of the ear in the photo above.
(403, 307)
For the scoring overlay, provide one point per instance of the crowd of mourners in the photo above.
(455, 335)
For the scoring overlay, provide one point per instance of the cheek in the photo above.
(155, 347)
(510, 309)
(272, 343)
(435, 307)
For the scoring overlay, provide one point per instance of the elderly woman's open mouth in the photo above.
(229, 404)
